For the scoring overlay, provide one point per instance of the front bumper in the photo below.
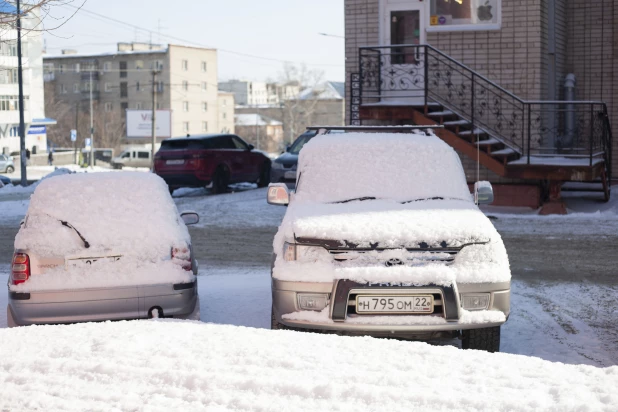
(88, 305)
(340, 320)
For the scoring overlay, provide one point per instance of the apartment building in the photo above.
(495, 74)
(186, 84)
(32, 70)
(249, 93)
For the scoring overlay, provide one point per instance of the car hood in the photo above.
(287, 159)
(387, 224)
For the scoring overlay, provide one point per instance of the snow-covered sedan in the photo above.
(382, 237)
(102, 246)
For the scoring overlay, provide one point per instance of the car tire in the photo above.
(10, 169)
(274, 325)
(487, 339)
(264, 178)
(220, 181)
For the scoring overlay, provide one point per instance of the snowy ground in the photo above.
(563, 310)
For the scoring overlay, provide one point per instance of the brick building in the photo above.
(493, 73)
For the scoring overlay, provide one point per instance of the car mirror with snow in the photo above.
(278, 194)
(190, 218)
(483, 193)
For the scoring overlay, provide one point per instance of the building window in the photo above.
(224, 115)
(157, 65)
(108, 107)
(139, 64)
(63, 89)
(123, 108)
(75, 87)
(76, 68)
(204, 126)
(108, 87)
(204, 66)
(123, 69)
(185, 127)
(137, 87)
(465, 15)
(12, 103)
(159, 105)
(61, 68)
(224, 102)
(138, 106)
(124, 90)
(204, 106)
(185, 65)
(204, 86)
(107, 66)
(185, 85)
(185, 106)
(8, 75)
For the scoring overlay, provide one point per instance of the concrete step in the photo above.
(488, 142)
(504, 152)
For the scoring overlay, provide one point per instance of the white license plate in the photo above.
(81, 262)
(290, 175)
(175, 162)
(394, 304)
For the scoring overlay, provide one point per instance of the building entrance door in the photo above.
(402, 70)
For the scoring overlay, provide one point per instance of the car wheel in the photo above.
(487, 339)
(274, 325)
(10, 169)
(219, 181)
(264, 178)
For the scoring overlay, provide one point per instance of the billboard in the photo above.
(139, 123)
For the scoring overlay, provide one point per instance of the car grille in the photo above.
(391, 257)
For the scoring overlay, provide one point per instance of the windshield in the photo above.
(299, 143)
(404, 167)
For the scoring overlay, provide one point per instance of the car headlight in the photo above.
(477, 301)
(292, 251)
(276, 165)
(312, 301)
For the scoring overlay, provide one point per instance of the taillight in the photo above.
(20, 270)
(182, 256)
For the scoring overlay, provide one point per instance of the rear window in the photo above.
(187, 144)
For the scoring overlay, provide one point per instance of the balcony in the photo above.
(86, 95)
(86, 76)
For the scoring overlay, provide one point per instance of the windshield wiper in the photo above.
(67, 224)
(422, 199)
(360, 199)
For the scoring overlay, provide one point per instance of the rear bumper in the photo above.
(186, 179)
(339, 319)
(88, 305)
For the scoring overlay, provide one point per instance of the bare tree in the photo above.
(35, 22)
(299, 111)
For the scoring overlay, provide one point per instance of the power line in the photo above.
(195, 43)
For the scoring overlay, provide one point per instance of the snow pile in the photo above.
(183, 365)
(398, 166)
(389, 224)
(125, 214)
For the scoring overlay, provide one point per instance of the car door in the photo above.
(230, 156)
(3, 162)
(250, 168)
(143, 158)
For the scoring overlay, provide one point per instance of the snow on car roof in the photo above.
(164, 365)
(129, 213)
(398, 166)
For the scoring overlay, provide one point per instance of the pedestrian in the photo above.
(27, 156)
(50, 158)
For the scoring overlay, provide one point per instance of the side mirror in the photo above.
(483, 193)
(251, 147)
(190, 218)
(278, 194)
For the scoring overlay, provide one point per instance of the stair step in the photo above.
(442, 113)
(456, 123)
(488, 142)
(469, 132)
(504, 152)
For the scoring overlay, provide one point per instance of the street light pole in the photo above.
(20, 81)
(154, 117)
(91, 124)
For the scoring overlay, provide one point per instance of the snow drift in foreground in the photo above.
(183, 365)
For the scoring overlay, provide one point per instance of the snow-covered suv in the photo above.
(382, 237)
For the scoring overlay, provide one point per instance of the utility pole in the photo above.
(91, 124)
(20, 80)
(154, 117)
(76, 128)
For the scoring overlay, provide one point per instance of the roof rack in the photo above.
(401, 129)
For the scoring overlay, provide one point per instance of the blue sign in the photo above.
(73, 135)
(37, 130)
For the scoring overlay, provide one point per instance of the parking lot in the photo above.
(563, 296)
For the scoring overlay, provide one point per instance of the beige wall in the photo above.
(226, 112)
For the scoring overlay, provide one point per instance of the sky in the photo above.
(253, 38)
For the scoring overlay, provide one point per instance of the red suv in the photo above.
(217, 159)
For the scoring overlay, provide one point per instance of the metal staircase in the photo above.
(557, 141)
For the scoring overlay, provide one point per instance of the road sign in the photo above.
(73, 135)
(87, 142)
